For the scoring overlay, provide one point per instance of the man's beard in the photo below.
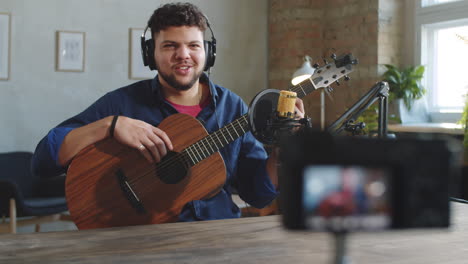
(171, 80)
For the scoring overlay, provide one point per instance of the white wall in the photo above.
(36, 97)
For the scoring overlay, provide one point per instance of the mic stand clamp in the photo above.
(279, 127)
(306, 122)
(355, 129)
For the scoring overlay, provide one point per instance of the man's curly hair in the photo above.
(177, 14)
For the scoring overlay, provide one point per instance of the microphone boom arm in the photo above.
(380, 91)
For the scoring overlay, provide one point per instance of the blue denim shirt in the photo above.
(245, 158)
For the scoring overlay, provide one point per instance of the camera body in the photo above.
(342, 184)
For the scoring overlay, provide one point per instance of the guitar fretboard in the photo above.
(215, 141)
(212, 143)
(304, 88)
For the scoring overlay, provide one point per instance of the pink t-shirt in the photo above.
(192, 110)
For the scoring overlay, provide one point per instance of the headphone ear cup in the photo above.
(147, 52)
(210, 52)
(149, 57)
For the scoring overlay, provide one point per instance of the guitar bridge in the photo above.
(129, 193)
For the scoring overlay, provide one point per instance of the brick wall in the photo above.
(369, 29)
(390, 37)
(295, 29)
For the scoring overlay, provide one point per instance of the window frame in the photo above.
(427, 18)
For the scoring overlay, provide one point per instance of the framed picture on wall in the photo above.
(70, 51)
(5, 20)
(136, 69)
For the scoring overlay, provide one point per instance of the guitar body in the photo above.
(109, 184)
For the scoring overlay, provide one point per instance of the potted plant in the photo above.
(405, 84)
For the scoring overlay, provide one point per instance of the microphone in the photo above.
(286, 103)
(271, 115)
(271, 112)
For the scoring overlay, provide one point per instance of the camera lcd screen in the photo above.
(346, 198)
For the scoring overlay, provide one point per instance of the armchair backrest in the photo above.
(15, 171)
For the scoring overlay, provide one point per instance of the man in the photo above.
(131, 115)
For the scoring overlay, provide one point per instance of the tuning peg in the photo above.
(333, 56)
(329, 89)
(346, 77)
(316, 65)
(337, 83)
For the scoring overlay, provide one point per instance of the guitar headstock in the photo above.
(333, 71)
(329, 73)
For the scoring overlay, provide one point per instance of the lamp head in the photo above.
(304, 72)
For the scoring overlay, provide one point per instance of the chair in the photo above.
(22, 194)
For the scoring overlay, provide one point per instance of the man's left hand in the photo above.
(299, 109)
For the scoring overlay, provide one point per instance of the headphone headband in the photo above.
(147, 49)
(213, 39)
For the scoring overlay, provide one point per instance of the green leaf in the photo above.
(392, 79)
(405, 83)
(419, 71)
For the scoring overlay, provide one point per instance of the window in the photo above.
(445, 52)
(441, 27)
(425, 3)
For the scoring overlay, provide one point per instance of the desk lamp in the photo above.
(304, 72)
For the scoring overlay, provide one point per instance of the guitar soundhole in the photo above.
(172, 169)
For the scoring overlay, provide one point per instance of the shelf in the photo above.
(442, 128)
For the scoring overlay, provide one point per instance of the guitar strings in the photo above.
(301, 87)
(196, 148)
(191, 159)
(185, 157)
(183, 154)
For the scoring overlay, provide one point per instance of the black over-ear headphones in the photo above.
(147, 50)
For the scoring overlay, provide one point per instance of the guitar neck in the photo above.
(304, 88)
(322, 77)
(215, 141)
(227, 134)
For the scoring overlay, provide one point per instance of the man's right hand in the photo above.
(151, 141)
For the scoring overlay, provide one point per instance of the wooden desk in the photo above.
(246, 240)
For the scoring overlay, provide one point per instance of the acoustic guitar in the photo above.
(109, 184)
